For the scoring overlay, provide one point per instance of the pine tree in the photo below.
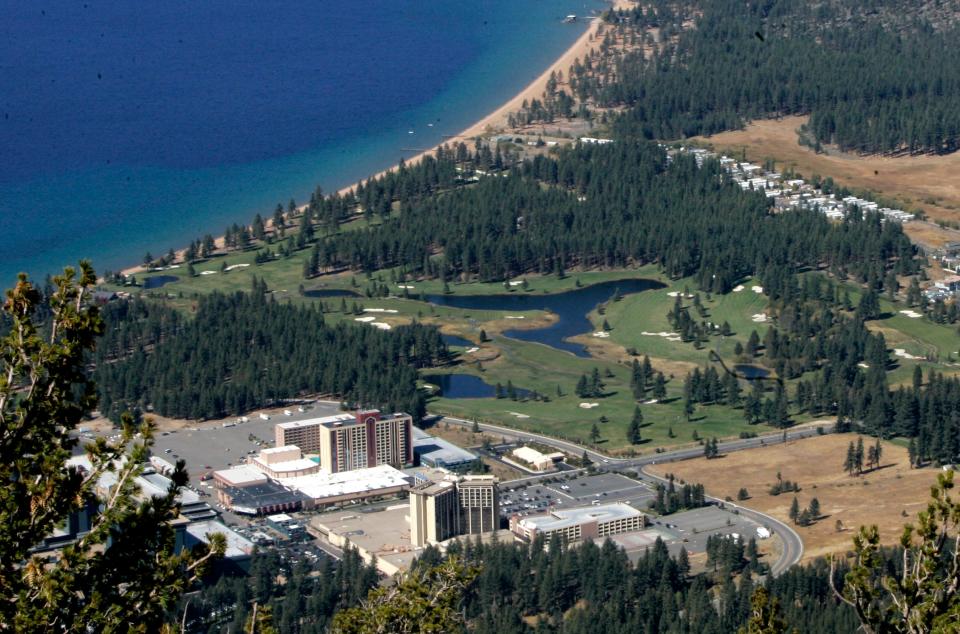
(594, 433)
(850, 463)
(794, 510)
(660, 387)
(633, 431)
(125, 571)
(814, 509)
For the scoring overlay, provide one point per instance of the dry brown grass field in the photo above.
(928, 182)
(889, 496)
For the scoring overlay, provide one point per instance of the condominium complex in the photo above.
(466, 505)
(352, 441)
(593, 522)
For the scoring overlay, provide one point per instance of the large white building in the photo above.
(592, 522)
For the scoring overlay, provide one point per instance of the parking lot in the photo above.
(581, 490)
(211, 446)
(688, 529)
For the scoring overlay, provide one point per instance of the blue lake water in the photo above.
(467, 386)
(748, 371)
(158, 280)
(129, 127)
(571, 307)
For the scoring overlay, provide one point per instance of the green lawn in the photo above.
(538, 367)
(647, 313)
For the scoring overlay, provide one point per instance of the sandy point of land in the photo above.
(889, 496)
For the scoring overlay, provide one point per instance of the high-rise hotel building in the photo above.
(352, 441)
(463, 505)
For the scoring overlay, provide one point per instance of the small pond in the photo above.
(158, 280)
(571, 307)
(330, 292)
(751, 371)
(466, 386)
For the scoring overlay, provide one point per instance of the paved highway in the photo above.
(792, 544)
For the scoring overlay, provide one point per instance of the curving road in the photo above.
(792, 544)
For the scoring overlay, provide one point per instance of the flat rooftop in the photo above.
(275, 450)
(439, 451)
(434, 488)
(237, 545)
(249, 498)
(385, 533)
(300, 464)
(571, 517)
(313, 422)
(325, 484)
(241, 475)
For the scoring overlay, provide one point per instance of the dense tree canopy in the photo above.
(243, 351)
(872, 85)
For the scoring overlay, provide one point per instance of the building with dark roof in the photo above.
(265, 498)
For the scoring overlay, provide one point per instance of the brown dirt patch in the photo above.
(879, 497)
(460, 436)
(502, 471)
(926, 182)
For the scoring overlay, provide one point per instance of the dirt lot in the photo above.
(925, 182)
(879, 497)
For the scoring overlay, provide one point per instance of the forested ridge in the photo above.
(873, 77)
(614, 205)
(243, 351)
(588, 588)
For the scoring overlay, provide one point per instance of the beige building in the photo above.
(535, 459)
(434, 513)
(285, 461)
(466, 505)
(352, 441)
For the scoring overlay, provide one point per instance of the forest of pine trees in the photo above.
(870, 85)
(243, 351)
(542, 588)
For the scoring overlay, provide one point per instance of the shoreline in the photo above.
(492, 122)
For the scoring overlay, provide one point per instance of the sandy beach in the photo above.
(494, 122)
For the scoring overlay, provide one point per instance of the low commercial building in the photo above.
(239, 476)
(440, 454)
(572, 525)
(238, 551)
(381, 536)
(287, 526)
(263, 498)
(536, 460)
(324, 488)
(285, 461)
